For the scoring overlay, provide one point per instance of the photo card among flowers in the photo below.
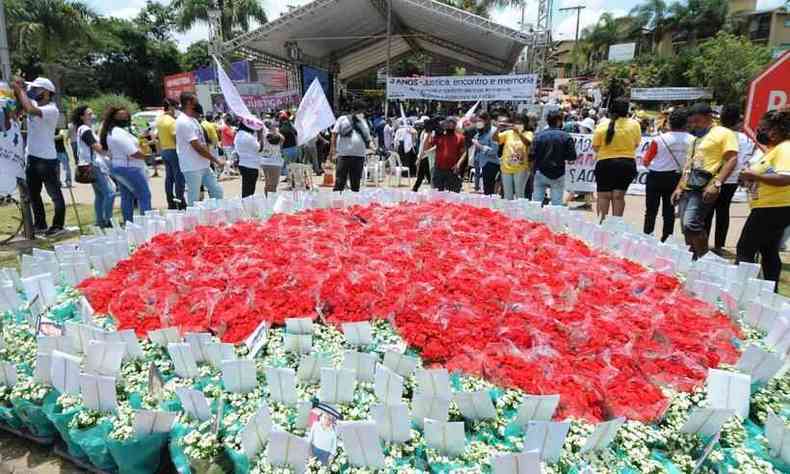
(183, 360)
(288, 450)
(527, 462)
(706, 421)
(362, 363)
(147, 422)
(98, 392)
(361, 444)
(163, 337)
(537, 408)
(392, 422)
(546, 437)
(195, 404)
(603, 435)
(281, 382)
(337, 385)
(446, 437)
(65, 372)
(256, 432)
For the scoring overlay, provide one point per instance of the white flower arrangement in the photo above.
(86, 419)
(28, 389)
(202, 443)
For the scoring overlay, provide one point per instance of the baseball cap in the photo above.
(42, 83)
(700, 108)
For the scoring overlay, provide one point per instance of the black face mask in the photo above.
(763, 138)
(124, 123)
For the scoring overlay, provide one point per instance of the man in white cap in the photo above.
(43, 168)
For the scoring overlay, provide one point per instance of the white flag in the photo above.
(314, 114)
(233, 99)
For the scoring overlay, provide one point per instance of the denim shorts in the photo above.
(693, 211)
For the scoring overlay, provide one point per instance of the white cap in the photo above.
(42, 83)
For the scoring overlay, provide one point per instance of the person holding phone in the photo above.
(515, 141)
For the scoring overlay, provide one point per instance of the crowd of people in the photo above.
(696, 160)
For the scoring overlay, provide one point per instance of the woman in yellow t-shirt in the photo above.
(514, 167)
(768, 182)
(615, 142)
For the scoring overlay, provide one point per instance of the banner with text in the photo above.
(463, 88)
(580, 175)
(667, 94)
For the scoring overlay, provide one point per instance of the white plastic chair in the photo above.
(396, 168)
(373, 170)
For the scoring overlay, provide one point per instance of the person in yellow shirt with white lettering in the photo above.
(713, 156)
(615, 142)
(166, 134)
(768, 182)
(514, 167)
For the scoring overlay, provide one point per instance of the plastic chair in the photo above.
(373, 169)
(396, 168)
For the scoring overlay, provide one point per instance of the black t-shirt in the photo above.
(59, 146)
(88, 138)
(289, 134)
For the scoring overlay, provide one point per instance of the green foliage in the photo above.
(726, 64)
(100, 103)
(196, 56)
(237, 15)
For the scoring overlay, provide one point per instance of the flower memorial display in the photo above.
(472, 290)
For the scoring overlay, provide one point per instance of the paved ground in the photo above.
(20, 456)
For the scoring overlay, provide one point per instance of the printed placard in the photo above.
(516, 463)
(388, 386)
(446, 437)
(778, 436)
(287, 450)
(706, 421)
(779, 335)
(163, 337)
(298, 343)
(537, 408)
(729, 391)
(760, 316)
(603, 435)
(183, 360)
(361, 444)
(546, 437)
(194, 403)
(760, 364)
(9, 298)
(65, 372)
(310, 366)
(8, 375)
(147, 422)
(358, 334)
(475, 406)
(401, 364)
(362, 363)
(256, 433)
(238, 376)
(299, 325)
(198, 341)
(217, 352)
(392, 422)
(337, 385)
(104, 358)
(282, 385)
(43, 371)
(426, 407)
(434, 383)
(98, 392)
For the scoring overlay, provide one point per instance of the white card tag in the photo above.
(546, 437)
(537, 408)
(446, 437)
(362, 363)
(257, 339)
(256, 434)
(310, 366)
(299, 326)
(42, 286)
(133, 349)
(238, 376)
(778, 436)
(75, 272)
(216, 352)
(79, 335)
(401, 364)
(779, 335)
(358, 334)
(47, 344)
(43, 371)
(147, 422)
(303, 410)
(198, 341)
(476, 405)
(298, 343)
(86, 311)
(434, 383)
(183, 360)
(388, 386)
(163, 337)
(392, 422)
(425, 407)
(8, 374)
(516, 463)
(729, 391)
(287, 450)
(706, 421)
(760, 364)
(282, 385)
(194, 402)
(98, 392)
(337, 385)
(65, 372)
(9, 298)
(361, 443)
(603, 435)
(104, 358)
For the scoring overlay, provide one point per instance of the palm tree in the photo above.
(651, 14)
(604, 33)
(237, 15)
(698, 18)
(47, 26)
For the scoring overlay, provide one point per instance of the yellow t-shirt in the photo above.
(708, 152)
(166, 132)
(211, 131)
(775, 161)
(515, 153)
(626, 139)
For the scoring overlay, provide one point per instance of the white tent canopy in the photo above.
(349, 37)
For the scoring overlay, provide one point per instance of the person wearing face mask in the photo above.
(194, 156)
(406, 145)
(166, 133)
(713, 155)
(91, 153)
(450, 153)
(127, 161)
(552, 149)
(425, 155)
(486, 153)
(514, 165)
(350, 142)
(768, 182)
(43, 169)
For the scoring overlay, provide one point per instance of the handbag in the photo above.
(698, 178)
(85, 173)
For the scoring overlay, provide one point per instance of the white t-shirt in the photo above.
(247, 146)
(746, 150)
(351, 143)
(122, 145)
(41, 132)
(271, 155)
(187, 131)
(322, 438)
(671, 151)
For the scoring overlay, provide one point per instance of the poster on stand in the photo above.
(517, 87)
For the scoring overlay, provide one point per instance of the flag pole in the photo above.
(389, 58)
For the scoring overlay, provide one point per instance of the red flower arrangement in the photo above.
(474, 290)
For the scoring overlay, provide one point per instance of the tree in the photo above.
(652, 15)
(698, 18)
(157, 20)
(726, 64)
(196, 56)
(237, 15)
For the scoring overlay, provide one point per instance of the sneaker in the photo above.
(40, 231)
(54, 232)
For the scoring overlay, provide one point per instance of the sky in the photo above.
(564, 22)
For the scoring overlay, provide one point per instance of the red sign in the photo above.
(769, 91)
(177, 83)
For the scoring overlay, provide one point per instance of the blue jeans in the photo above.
(133, 184)
(290, 155)
(557, 188)
(63, 158)
(205, 177)
(478, 175)
(104, 197)
(515, 185)
(174, 180)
